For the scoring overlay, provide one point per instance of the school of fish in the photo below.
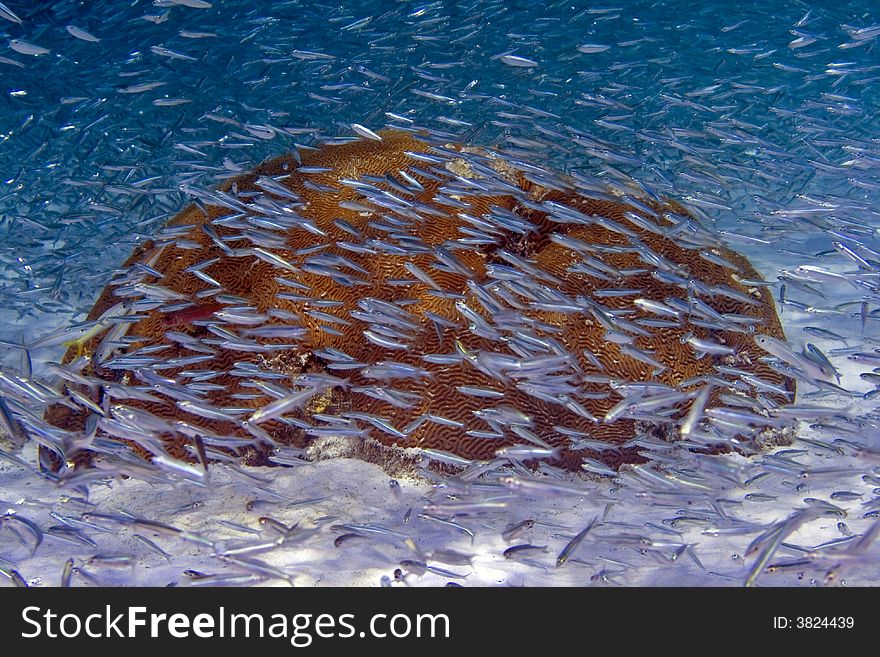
(615, 263)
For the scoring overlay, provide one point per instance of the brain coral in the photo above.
(424, 295)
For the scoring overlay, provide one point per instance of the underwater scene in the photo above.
(480, 293)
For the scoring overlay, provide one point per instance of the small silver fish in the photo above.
(8, 14)
(194, 4)
(81, 34)
(25, 48)
(365, 132)
(523, 550)
(520, 62)
(592, 48)
(515, 529)
(574, 543)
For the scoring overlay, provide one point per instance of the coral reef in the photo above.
(423, 295)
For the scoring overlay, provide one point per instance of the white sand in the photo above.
(635, 545)
(359, 493)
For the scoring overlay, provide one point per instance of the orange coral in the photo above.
(461, 306)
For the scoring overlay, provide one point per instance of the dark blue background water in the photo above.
(742, 110)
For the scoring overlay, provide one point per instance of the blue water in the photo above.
(715, 103)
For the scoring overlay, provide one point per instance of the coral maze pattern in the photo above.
(424, 295)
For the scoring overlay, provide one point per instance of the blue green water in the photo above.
(743, 108)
